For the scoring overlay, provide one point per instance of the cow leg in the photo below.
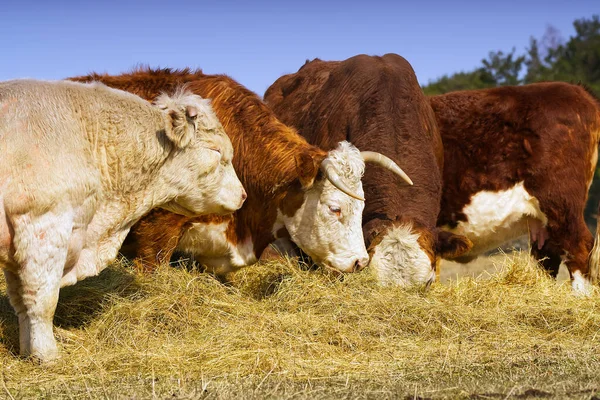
(41, 247)
(577, 249)
(152, 253)
(548, 258)
(575, 241)
(280, 248)
(154, 240)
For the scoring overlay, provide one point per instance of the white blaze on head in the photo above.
(399, 260)
(328, 224)
(200, 167)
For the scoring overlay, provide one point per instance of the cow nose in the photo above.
(244, 196)
(359, 265)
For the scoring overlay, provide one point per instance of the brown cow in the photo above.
(377, 104)
(292, 186)
(520, 160)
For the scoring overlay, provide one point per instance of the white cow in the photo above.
(80, 164)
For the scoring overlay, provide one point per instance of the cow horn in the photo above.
(331, 174)
(378, 158)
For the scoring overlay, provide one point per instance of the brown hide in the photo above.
(545, 135)
(377, 104)
(264, 159)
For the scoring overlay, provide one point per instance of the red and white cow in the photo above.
(377, 104)
(520, 160)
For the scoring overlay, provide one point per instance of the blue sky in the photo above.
(255, 42)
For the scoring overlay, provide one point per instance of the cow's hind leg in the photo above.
(575, 241)
(41, 246)
(154, 239)
(548, 257)
(577, 249)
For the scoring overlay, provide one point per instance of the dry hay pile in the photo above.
(278, 331)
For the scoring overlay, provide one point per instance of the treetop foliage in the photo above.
(548, 59)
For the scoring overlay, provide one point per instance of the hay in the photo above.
(279, 331)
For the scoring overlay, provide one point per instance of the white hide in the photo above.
(399, 260)
(580, 285)
(332, 240)
(494, 218)
(81, 163)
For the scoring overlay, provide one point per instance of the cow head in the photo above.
(407, 254)
(199, 166)
(322, 212)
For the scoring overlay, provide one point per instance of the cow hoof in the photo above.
(581, 286)
(44, 355)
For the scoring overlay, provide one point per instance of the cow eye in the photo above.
(335, 210)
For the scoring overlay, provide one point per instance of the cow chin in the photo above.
(178, 209)
(337, 266)
(399, 260)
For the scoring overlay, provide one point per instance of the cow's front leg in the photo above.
(41, 246)
(95, 257)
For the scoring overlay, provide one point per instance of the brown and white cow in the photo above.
(80, 165)
(377, 104)
(520, 160)
(294, 189)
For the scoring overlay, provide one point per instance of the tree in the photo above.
(503, 68)
(477, 79)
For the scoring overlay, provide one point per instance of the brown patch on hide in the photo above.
(292, 201)
(307, 168)
(427, 243)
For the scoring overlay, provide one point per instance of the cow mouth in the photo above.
(334, 271)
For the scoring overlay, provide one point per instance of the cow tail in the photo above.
(594, 261)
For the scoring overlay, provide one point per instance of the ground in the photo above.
(280, 331)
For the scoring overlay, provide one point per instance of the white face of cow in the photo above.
(398, 259)
(200, 167)
(328, 224)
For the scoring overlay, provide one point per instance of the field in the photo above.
(280, 331)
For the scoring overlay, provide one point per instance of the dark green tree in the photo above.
(504, 68)
(477, 79)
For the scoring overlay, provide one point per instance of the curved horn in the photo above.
(331, 174)
(378, 158)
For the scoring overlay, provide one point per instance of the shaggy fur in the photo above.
(400, 245)
(376, 103)
(80, 165)
(276, 165)
(542, 136)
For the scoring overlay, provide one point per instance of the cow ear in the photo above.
(181, 131)
(450, 245)
(307, 169)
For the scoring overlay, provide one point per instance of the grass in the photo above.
(279, 331)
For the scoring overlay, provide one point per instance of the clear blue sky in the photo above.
(255, 42)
